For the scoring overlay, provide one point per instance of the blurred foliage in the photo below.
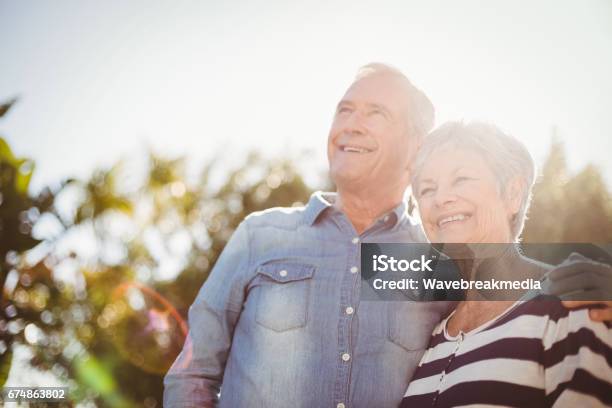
(18, 213)
(569, 208)
(15, 174)
(101, 301)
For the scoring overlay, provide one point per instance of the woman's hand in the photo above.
(601, 311)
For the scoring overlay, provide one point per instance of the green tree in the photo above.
(113, 326)
(569, 208)
(548, 202)
(18, 213)
(588, 217)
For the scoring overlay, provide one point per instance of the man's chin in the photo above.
(348, 178)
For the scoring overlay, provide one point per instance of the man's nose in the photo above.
(354, 123)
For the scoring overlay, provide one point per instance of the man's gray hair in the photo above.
(421, 112)
(507, 157)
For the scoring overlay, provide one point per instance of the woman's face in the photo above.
(459, 200)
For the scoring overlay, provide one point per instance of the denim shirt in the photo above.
(279, 320)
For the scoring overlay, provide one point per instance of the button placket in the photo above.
(346, 310)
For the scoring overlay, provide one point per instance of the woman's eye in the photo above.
(426, 191)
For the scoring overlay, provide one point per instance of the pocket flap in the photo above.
(286, 272)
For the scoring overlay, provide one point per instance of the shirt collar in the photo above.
(321, 201)
(399, 212)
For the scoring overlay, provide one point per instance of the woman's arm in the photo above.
(578, 361)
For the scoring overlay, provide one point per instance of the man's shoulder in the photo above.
(276, 217)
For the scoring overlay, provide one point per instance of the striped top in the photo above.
(535, 354)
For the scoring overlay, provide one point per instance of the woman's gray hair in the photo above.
(506, 156)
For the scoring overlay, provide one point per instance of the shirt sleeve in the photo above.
(194, 380)
(577, 361)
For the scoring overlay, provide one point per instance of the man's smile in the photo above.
(354, 149)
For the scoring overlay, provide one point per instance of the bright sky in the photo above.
(102, 80)
(107, 79)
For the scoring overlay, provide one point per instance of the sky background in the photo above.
(102, 80)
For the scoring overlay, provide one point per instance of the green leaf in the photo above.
(24, 175)
(5, 107)
(5, 152)
(5, 366)
(96, 376)
(24, 168)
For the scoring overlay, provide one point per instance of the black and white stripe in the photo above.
(535, 354)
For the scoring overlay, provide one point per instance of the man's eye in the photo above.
(343, 109)
(462, 179)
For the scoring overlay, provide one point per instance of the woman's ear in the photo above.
(514, 195)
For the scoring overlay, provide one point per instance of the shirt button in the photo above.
(354, 269)
(340, 405)
(346, 357)
(283, 273)
(355, 240)
(349, 310)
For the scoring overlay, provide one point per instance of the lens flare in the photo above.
(146, 329)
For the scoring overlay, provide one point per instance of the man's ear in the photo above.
(416, 141)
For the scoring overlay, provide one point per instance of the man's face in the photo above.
(368, 144)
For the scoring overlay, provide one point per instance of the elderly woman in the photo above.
(473, 185)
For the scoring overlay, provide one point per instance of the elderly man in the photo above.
(279, 321)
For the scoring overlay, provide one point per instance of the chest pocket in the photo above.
(283, 295)
(410, 324)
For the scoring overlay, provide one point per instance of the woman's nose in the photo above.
(444, 197)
